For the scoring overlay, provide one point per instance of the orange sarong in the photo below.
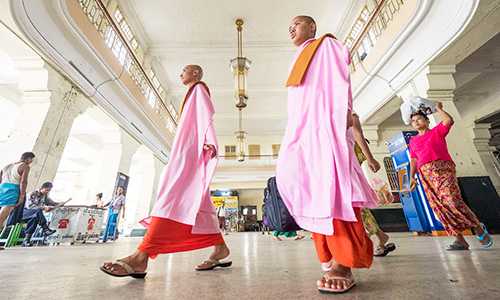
(349, 245)
(167, 236)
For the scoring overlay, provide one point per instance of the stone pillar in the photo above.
(437, 83)
(143, 188)
(66, 103)
(370, 132)
(481, 139)
(159, 167)
(50, 104)
(35, 103)
(119, 147)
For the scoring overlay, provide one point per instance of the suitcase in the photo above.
(278, 216)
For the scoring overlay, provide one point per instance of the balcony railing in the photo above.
(250, 161)
(372, 31)
(103, 22)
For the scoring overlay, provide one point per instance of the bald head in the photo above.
(309, 21)
(190, 74)
(198, 70)
(301, 29)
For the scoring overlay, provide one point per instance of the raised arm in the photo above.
(447, 119)
(373, 164)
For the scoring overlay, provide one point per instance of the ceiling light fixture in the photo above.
(240, 66)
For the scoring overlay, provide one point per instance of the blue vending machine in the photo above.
(418, 213)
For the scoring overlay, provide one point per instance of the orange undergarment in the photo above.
(349, 245)
(167, 236)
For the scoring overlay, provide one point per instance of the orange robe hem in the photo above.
(349, 245)
(167, 236)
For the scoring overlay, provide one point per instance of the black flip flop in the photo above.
(387, 248)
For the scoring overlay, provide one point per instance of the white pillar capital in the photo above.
(36, 97)
(33, 76)
(370, 132)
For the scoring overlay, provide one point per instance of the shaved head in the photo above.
(197, 68)
(190, 74)
(309, 21)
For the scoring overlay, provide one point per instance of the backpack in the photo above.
(278, 216)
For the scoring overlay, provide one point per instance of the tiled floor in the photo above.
(420, 268)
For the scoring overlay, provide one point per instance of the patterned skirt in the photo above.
(369, 221)
(439, 180)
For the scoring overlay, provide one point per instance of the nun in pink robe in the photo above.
(183, 217)
(318, 175)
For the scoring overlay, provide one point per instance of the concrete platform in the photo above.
(420, 268)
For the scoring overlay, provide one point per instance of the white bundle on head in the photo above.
(414, 105)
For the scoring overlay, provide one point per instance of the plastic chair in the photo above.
(13, 235)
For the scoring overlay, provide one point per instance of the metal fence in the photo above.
(372, 31)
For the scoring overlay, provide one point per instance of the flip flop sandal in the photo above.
(127, 267)
(458, 247)
(387, 248)
(215, 264)
(350, 283)
(485, 234)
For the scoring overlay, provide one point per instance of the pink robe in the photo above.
(184, 194)
(318, 175)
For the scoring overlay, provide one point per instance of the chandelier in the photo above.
(240, 66)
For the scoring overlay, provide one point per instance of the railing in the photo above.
(372, 31)
(250, 161)
(103, 22)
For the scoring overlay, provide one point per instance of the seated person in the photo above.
(37, 201)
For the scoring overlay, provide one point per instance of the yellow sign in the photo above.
(232, 202)
(217, 201)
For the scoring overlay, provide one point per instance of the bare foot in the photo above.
(479, 231)
(382, 237)
(299, 237)
(277, 238)
(220, 252)
(337, 270)
(138, 261)
(459, 239)
(326, 267)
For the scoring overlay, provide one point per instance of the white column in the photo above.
(482, 136)
(50, 104)
(144, 190)
(66, 103)
(119, 147)
(35, 103)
